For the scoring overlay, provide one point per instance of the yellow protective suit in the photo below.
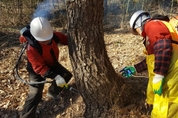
(166, 105)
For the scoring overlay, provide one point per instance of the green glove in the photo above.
(128, 71)
(158, 84)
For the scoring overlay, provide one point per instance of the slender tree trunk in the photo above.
(20, 10)
(95, 77)
(105, 11)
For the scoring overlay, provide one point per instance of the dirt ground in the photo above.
(123, 49)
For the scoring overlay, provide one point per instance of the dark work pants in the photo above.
(35, 94)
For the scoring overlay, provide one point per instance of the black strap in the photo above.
(175, 42)
(56, 38)
(160, 17)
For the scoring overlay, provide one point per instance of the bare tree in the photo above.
(105, 10)
(20, 9)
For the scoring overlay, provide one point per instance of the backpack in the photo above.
(172, 25)
(29, 39)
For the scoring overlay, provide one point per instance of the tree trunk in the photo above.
(105, 11)
(95, 77)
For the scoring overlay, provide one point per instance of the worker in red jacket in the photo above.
(161, 62)
(43, 64)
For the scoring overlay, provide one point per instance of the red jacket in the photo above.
(157, 42)
(154, 31)
(41, 63)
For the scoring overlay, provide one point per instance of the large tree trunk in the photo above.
(95, 77)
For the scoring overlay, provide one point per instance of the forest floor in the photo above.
(123, 49)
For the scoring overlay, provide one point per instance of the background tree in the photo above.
(18, 13)
(105, 11)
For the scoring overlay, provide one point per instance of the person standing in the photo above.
(161, 62)
(44, 63)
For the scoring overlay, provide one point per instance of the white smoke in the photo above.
(46, 8)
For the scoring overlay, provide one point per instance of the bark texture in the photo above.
(95, 77)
